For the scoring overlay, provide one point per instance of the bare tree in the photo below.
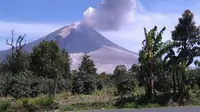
(19, 41)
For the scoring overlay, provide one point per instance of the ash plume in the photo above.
(110, 14)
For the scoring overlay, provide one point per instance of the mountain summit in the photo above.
(79, 39)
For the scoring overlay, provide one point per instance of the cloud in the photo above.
(110, 14)
(131, 34)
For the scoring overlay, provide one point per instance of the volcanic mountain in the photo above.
(79, 39)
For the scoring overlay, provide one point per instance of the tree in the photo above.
(87, 65)
(18, 60)
(149, 57)
(22, 85)
(125, 82)
(65, 79)
(48, 61)
(187, 35)
(7, 80)
(84, 82)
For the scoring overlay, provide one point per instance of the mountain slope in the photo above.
(80, 38)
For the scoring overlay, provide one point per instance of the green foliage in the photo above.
(7, 80)
(84, 81)
(87, 65)
(21, 87)
(16, 62)
(78, 84)
(186, 35)
(151, 105)
(33, 104)
(50, 62)
(193, 77)
(4, 105)
(88, 106)
(195, 87)
(125, 82)
(149, 58)
(45, 59)
(130, 105)
(106, 80)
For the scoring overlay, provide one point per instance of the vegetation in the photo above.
(43, 80)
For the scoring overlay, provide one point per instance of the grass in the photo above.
(99, 100)
(28, 104)
(88, 106)
(5, 104)
(97, 96)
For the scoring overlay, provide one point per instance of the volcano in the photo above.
(79, 39)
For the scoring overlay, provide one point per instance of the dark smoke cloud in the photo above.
(110, 14)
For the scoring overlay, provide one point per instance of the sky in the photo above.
(37, 18)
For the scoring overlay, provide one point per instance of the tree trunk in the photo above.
(55, 85)
(178, 81)
(164, 84)
(150, 87)
(174, 82)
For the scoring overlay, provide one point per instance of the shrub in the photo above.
(84, 84)
(130, 105)
(31, 104)
(195, 87)
(4, 104)
(22, 84)
(125, 82)
(151, 105)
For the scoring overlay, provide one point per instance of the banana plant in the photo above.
(149, 56)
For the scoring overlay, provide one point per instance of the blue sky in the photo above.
(37, 18)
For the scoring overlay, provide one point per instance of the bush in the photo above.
(84, 84)
(130, 105)
(64, 85)
(195, 87)
(150, 105)
(21, 87)
(24, 84)
(6, 83)
(4, 105)
(31, 104)
(124, 80)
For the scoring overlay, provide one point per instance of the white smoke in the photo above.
(110, 14)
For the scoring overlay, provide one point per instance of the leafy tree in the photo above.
(7, 80)
(39, 85)
(193, 77)
(135, 71)
(65, 79)
(50, 62)
(22, 84)
(187, 35)
(150, 59)
(124, 80)
(78, 84)
(84, 81)
(45, 58)
(105, 80)
(87, 65)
